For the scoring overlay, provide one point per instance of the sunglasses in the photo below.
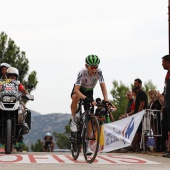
(12, 75)
(93, 67)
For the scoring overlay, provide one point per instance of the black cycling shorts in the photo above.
(87, 93)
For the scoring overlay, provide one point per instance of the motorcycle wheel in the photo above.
(8, 138)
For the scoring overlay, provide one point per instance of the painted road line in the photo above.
(100, 159)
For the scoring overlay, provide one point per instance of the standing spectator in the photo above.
(130, 105)
(166, 109)
(156, 123)
(141, 103)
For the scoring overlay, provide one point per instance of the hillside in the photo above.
(41, 124)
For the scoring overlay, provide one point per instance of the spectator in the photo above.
(102, 112)
(156, 123)
(141, 103)
(3, 70)
(166, 109)
(131, 104)
(104, 115)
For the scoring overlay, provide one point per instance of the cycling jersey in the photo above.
(88, 82)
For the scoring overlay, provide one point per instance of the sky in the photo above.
(129, 36)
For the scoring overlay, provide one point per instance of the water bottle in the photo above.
(107, 118)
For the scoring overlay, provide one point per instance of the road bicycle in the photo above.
(88, 133)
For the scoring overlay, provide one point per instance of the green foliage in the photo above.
(20, 147)
(37, 147)
(148, 86)
(25, 147)
(63, 139)
(119, 98)
(11, 54)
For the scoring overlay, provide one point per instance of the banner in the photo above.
(119, 134)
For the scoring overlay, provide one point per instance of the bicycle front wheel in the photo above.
(75, 144)
(91, 138)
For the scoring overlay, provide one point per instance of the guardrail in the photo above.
(151, 125)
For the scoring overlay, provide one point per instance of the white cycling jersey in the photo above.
(88, 82)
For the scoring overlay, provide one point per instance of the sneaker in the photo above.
(73, 127)
(88, 151)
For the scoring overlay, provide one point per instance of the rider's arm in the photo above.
(111, 117)
(22, 89)
(104, 91)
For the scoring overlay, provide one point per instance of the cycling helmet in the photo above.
(92, 60)
(48, 134)
(13, 70)
(5, 65)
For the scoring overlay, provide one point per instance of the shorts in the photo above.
(87, 93)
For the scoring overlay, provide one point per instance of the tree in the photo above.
(25, 147)
(11, 54)
(119, 98)
(20, 147)
(63, 139)
(37, 147)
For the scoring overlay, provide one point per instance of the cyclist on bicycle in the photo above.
(48, 141)
(83, 88)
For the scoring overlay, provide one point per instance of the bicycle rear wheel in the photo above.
(91, 138)
(75, 144)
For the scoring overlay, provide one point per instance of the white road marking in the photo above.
(53, 158)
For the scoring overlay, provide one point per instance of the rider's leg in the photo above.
(52, 146)
(75, 100)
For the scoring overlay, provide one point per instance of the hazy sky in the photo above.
(129, 36)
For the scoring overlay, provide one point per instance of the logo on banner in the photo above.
(128, 130)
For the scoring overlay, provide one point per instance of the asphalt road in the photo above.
(64, 161)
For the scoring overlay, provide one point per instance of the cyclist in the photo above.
(3, 70)
(83, 88)
(48, 140)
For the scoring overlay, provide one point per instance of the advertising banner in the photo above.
(119, 134)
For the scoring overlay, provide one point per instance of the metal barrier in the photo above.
(151, 125)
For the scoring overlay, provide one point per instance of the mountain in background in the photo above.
(41, 124)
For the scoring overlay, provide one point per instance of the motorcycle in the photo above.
(12, 114)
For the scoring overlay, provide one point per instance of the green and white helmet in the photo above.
(92, 60)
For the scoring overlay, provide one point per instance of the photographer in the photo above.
(104, 114)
